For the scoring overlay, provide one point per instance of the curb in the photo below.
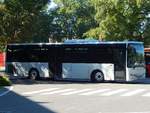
(7, 90)
(144, 81)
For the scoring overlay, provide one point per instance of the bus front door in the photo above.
(120, 74)
(119, 64)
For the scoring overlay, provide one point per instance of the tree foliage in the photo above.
(121, 19)
(73, 18)
(23, 21)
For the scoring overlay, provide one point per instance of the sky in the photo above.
(52, 5)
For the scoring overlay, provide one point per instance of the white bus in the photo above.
(78, 60)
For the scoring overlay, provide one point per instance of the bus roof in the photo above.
(74, 42)
(82, 41)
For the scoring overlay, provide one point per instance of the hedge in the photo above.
(4, 81)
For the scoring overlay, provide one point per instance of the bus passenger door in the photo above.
(119, 64)
(119, 73)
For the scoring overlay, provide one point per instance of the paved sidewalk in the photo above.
(5, 90)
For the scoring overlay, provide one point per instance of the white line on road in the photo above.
(59, 91)
(8, 90)
(146, 95)
(113, 92)
(75, 92)
(94, 92)
(39, 91)
(131, 93)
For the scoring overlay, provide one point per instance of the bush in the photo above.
(4, 81)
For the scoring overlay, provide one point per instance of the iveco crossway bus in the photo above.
(90, 60)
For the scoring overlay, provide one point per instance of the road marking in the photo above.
(131, 93)
(113, 92)
(8, 90)
(94, 92)
(87, 91)
(39, 91)
(59, 91)
(146, 95)
(75, 92)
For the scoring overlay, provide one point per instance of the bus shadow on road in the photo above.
(142, 81)
(49, 81)
(15, 103)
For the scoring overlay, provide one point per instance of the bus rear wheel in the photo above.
(97, 76)
(33, 74)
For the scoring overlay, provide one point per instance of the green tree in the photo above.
(24, 21)
(73, 18)
(3, 40)
(121, 19)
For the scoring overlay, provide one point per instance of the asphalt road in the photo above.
(72, 97)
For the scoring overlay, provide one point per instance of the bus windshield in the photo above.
(135, 55)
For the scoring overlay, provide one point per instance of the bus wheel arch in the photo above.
(97, 76)
(33, 74)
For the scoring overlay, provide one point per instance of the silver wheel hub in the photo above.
(34, 73)
(99, 76)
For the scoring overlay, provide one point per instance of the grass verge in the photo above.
(4, 81)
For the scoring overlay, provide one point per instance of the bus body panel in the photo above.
(135, 73)
(84, 70)
(21, 69)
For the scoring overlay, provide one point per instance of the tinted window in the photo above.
(135, 55)
(89, 53)
(75, 54)
(27, 53)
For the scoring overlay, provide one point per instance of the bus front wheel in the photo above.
(97, 76)
(33, 74)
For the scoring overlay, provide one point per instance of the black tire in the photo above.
(97, 76)
(34, 74)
